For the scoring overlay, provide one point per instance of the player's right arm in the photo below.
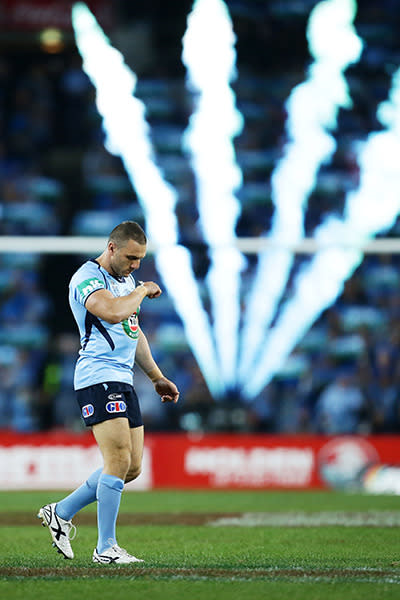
(107, 307)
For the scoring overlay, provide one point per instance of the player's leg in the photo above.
(137, 440)
(137, 435)
(122, 449)
(116, 449)
(114, 440)
(57, 516)
(61, 531)
(86, 493)
(79, 498)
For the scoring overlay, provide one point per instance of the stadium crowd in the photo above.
(56, 178)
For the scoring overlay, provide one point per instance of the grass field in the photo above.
(206, 545)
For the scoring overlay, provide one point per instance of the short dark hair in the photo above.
(125, 231)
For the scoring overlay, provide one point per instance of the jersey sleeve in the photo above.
(85, 282)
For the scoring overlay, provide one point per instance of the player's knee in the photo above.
(117, 461)
(133, 472)
(124, 460)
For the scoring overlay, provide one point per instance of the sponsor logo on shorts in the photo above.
(116, 406)
(114, 396)
(88, 410)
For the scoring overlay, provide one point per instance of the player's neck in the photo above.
(104, 261)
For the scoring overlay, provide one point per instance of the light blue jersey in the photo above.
(107, 350)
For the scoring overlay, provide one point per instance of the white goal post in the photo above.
(248, 245)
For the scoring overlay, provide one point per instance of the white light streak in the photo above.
(312, 111)
(209, 56)
(312, 107)
(370, 209)
(128, 136)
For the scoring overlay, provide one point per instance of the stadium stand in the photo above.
(56, 178)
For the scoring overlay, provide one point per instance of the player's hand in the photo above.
(167, 390)
(153, 290)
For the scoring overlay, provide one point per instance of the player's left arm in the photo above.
(144, 359)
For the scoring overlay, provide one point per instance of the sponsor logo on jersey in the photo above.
(89, 285)
(116, 406)
(131, 326)
(88, 410)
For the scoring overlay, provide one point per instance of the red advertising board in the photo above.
(248, 461)
(62, 460)
(220, 461)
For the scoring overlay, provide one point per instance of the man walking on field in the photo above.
(105, 301)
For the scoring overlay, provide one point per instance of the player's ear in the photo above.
(111, 247)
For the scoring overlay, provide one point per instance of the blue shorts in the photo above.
(109, 400)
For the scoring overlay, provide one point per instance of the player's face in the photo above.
(125, 259)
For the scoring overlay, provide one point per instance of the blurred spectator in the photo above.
(341, 407)
(262, 412)
(56, 404)
(383, 395)
(198, 404)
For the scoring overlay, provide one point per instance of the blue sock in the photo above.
(84, 495)
(109, 491)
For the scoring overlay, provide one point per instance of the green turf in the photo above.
(160, 546)
(193, 590)
(155, 501)
(223, 547)
(216, 501)
(205, 562)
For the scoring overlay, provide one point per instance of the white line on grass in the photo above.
(302, 519)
